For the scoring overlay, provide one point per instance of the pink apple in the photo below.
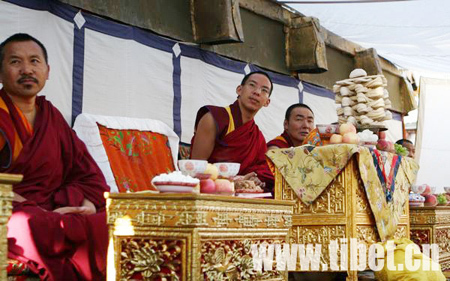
(335, 138)
(383, 144)
(347, 128)
(351, 138)
(430, 200)
(224, 186)
(207, 186)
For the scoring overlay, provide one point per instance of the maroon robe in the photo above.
(245, 145)
(282, 141)
(58, 171)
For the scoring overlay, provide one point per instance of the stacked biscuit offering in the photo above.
(363, 99)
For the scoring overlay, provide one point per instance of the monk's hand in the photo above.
(19, 198)
(90, 207)
(87, 208)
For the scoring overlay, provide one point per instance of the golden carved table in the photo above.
(191, 236)
(341, 211)
(6, 196)
(431, 225)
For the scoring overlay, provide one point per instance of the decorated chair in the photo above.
(129, 151)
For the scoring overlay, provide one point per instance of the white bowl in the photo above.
(227, 169)
(418, 189)
(192, 167)
(327, 128)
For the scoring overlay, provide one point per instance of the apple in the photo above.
(347, 128)
(351, 138)
(335, 138)
(212, 170)
(430, 200)
(207, 186)
(383, 144)
(224, 186)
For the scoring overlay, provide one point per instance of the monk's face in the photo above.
(254, 94)
(411, 149)
(24, 70)
(300, 123)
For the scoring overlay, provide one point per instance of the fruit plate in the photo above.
(167, 187)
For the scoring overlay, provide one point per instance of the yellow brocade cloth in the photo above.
(308, 170)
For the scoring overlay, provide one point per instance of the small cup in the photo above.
(227, 169)
(192, 167)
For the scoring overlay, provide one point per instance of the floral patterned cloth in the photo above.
(136, 157)
(308, 170)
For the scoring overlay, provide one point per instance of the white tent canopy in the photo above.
(412, 34)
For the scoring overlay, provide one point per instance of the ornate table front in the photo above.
(191, 236)
(342, 211)
(6, 196)
(431, 225)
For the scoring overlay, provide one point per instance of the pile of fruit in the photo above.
(347, 134)
(363, 99)
(210, 183)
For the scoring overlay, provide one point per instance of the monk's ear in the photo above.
(285, 124)
(239, 90)
(48, 71)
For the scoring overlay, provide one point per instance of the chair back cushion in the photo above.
(136, 157)
(129, 151)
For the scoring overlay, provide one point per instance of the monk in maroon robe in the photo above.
(230, 134)
(58, 226)
(298, 123)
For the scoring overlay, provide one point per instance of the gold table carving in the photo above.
(6, 197)
(191, 236)
(431, 225)
(341, 211)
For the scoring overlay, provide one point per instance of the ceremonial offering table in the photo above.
(6, 197)
(431, 225)
(342, 210)
(191, 236)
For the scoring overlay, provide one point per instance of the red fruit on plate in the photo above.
(207, 186)
(224, 186)
(383, 145)
(430, 200)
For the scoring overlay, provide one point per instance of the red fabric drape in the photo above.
(58, 171)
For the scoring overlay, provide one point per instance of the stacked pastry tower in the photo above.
(363, 99)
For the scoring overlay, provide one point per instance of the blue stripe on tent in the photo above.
(177, 94)
(77, 72)
(318, 91)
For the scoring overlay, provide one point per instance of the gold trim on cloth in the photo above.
(309, 170)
